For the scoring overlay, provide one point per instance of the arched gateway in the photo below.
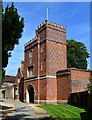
(30, 94)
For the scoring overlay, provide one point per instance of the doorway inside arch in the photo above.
(31, 93)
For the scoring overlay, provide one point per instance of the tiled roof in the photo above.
(9, 78)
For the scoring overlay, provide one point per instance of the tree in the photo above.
(90, 84)
(76, 54)
(12, 28)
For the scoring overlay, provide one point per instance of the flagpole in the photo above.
(47, 13)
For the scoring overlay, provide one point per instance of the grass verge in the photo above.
(66, 112)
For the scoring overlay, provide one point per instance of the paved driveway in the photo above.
(16, 110)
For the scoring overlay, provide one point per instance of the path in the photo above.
(16, 110)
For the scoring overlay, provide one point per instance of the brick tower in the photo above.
(53, 41)
(44, 56)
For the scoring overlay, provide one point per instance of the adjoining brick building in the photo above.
(19, 84)
(45, 77)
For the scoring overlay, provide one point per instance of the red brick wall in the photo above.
(63, 86)
(56, 34)
(51, 89)
(42, 34)
(42, 89)
(34, 60)
(21, 84)
(79, 79)
(43, 58)
(56, 57)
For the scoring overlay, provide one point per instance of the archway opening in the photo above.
(3, 93)
(31, 93)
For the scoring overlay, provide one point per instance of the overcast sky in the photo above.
(74, 15)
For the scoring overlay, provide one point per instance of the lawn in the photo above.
(67, 112)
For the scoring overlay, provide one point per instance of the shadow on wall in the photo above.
(86, 115)
(82, 100)
(79, 99)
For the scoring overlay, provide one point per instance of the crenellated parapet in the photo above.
(29, 42)
(51, 31)
(48, 23)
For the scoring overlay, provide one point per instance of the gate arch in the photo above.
(30, 94)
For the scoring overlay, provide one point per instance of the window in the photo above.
(30, 53)
(30, 61)
(42, 66)
(30, 56)
(30, 71)
(42, 48)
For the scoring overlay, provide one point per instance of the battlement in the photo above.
(46, 22)
(51, 25)
(35, 38)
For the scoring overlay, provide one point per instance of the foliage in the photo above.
(12, 28)
(90, 79)
(76, 54)
(90, 87)
(90, 84)
(3, 76)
